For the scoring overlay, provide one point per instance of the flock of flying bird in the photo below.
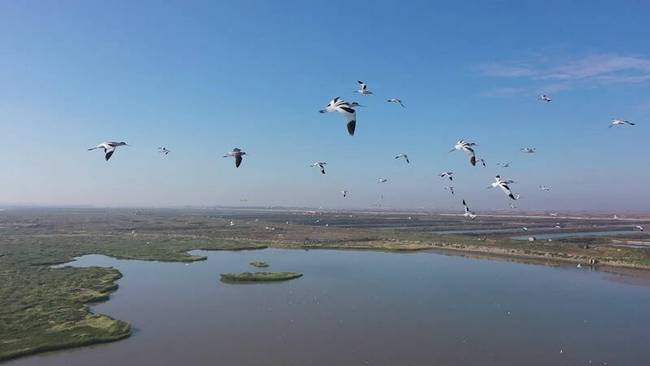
(347, 110)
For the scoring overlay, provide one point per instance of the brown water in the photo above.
(368, 308)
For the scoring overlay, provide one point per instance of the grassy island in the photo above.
(259, 276)
(259, 264)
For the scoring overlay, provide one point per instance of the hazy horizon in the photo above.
(203, 78)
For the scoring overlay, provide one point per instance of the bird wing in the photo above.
(238, 160)
(109, 152)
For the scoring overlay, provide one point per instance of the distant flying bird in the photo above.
(382, 180)
(524, 228)
(545, 188)
(505, 165)
(639, 227)
(469, 214)
(450, 189)
(449, 175)
(109, 148)
(237, 154)
(482, 161)
(363, 88)
(544, 98)
(512, 205)
(321, 165)
(467, 147)
(503, 184)
(528, 150)
(339, 105)
(396, 101)
(345, 193)
(403, 156)
(620, 122)
(163, 150)
(554, 214)
(615, 217)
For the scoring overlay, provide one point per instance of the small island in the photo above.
(259, 264)
(258, 276)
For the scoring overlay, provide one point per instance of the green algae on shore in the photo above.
(259, 276)
(259, 264)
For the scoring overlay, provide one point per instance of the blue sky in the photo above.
(204, 77)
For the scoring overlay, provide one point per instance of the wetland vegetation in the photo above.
(45, 308)
(259, 276)
(259, 264)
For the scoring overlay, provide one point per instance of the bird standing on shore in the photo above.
(109, 148)
(237, 154)
(339, 105)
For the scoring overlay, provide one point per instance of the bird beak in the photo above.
(452, 150)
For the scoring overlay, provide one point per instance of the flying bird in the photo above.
(505, 165)
(339, 105)
(109, 148)
(545, 188)
(345, 193)
(403, 156)
(363, 88)
(396, 101)
(554, 214)
(503, 184)
(449, 175)
(639, 227)
(482, 161)
(469, 214)
(528, 150)
(467, 147)
(382, 180)
(620, 122)
(163, 150)
(451, 190)
(321, 165)
(545, 98)
(237, 154)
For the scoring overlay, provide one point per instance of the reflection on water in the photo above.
(367, 308)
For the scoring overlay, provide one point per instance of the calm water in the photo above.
(366, 308)
(578, 234)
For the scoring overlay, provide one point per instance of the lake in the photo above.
(368, 308)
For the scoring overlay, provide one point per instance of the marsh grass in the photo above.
(44, 308)
(258, 276)
(259, 264)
